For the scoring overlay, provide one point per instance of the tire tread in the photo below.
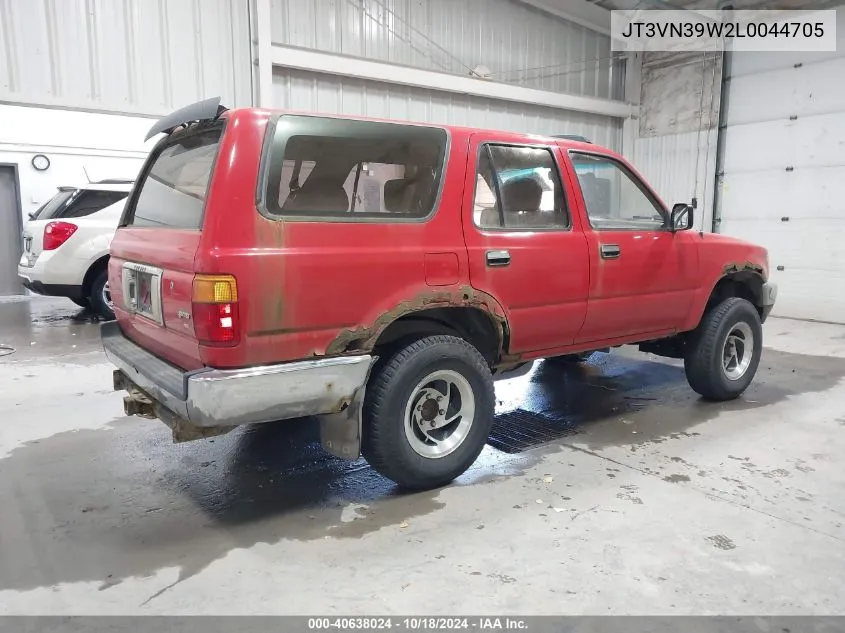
(376, 447)
(94, 300)
(698, 362)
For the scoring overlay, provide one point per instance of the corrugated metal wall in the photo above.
(314, 92)
(679, 116)
(668, 162)
(132, 56)
(519, 44)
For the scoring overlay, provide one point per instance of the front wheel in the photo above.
(100, 297)
(428, 412)
(724, 352)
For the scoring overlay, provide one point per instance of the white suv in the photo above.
(66, 244)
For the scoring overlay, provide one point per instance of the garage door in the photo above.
(784, 173)
(331, 94)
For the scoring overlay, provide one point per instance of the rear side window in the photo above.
(77, 203)
(55, 204)
(173, 192)
(89, 201)
(336, 168)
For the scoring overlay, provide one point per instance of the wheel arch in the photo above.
(97, 266)
(744, 283)
(472, 315)
(472, 324)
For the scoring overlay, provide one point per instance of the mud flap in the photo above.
(340, 433)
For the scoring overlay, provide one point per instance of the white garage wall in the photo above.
(129, 56)
(329, 94)
(107, 146)
(784, 172)
(518, 43)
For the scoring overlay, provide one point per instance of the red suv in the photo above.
(381, 275)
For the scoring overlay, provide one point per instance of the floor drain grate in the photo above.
(519, 430)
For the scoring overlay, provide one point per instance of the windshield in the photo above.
(58, 202)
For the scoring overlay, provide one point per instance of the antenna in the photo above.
(87, 177)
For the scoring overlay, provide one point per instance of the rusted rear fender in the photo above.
(363, 338)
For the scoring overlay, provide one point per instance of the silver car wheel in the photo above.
(439, 414)
(738, 351)
(106, 296)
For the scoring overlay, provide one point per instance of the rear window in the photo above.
(173, 192)
(337, 168)
(77, 203)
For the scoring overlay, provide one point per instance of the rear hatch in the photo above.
(33, 231)
(68, 204)
(151, 269)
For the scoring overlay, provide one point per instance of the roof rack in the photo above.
(114, 181)
(573, 137)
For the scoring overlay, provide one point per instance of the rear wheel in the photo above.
(82, 303)
(100, 296)
(428, 412)
(724, 352)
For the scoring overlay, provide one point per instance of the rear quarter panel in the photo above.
(97, 233)
(310, 289)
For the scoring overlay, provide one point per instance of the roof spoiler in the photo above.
(207, 110)
(574, 137)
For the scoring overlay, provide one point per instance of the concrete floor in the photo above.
(647, 501)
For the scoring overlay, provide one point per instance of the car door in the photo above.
(524, 245)
(642, 275)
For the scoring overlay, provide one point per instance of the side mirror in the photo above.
(681, 218)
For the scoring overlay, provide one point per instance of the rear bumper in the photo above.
(768, 298)
(231, 397)
(51, 290)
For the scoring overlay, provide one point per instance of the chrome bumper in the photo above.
(768, 297)
(232, 397)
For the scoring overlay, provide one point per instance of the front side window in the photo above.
(527, 180)
(613, 197)
(320, 167)
(173, 192)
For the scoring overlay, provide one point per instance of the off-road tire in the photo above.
(95, 297)
(384, 443)
(703, 359)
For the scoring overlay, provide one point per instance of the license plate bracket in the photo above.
(28, 257)
(142, 290)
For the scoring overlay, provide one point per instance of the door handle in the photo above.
(498, 258)
(610, 251)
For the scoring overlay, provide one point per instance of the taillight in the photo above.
(56, 234)
(214, 301)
